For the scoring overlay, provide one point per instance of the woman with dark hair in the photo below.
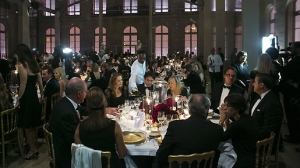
(241, 66)
(98, 132)
(244, 131)
(114, 92)
(29, 115)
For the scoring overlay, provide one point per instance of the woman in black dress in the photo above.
(29, 115)
(114, 93)
(100, 133)
(244, 131)
(241, 66)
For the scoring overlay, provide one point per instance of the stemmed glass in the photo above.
(148, 119)
(161, 118)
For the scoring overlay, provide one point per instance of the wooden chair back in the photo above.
(54, 99)
(207, 157)
(106, 154)
(49, 142)
(263, 151)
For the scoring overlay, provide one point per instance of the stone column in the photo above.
(220, 24)
(280, 25)
(57, 28)
(100, 22)
(251, 38)
(150, 42)
(24, 34)
(207, 40)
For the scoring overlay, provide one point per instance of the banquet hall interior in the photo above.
(161, 28)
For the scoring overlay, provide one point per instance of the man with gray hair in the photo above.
(199, 134)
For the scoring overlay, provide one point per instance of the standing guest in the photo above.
(87, 67)
(148, 83)
(174, 143)
(241, 66)
(29, 114)
(176, 88)
(60, 76)
(221, 90)
(98, 128)
(193, 81)
(214, 61)
(114, 93)
(51, 87)
(243, 132)
(138, 70)
(266, 108)
(233, 55)
(223, 59)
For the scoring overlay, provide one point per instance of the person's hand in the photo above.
(223, 116)
(112, 111)
(17, 104)
(183, 98)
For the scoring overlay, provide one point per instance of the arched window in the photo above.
(161, 6)
(297, 21)
(130, 39)
(75, 39)
(190, 38)
(96, 7)
(2, 41)
(51, 5)
(97, 41)
(161, 41)
(50, 40)
(272, 21)
(130, 6)
(74, 9)
(238, 38)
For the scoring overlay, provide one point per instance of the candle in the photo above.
(176, 99)
(148, 103)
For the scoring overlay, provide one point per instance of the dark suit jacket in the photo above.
(217, 93)
(108, 74)
(142, 88)
(4, 68)
(52, 87)
(268, 114)
(194, 135)
(63, 123)
(194, 82)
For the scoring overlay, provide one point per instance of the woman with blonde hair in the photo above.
(264, 65)
(98, 128)
(60, 76)
(176, 88)
(114, 92)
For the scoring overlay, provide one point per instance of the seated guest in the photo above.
(98, 128)
(153, 67)
(122, 66)
(94, 74)
(175, 87)
(243, 132)
(51, 87)
(193, 80)
(6, 101)
(60, 76)
(114, 93)
(110, 70)
(87, 67)
(149, 77)
(180, 138)
(221, 90)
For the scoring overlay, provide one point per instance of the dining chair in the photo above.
(108, 156)
(54, 99)
(43, 104)
(206, 157)
(263, 151)
(49, 142)
(276, 153)
(9, 131)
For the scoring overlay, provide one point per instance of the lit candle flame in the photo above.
(176, 98)
(148, 101)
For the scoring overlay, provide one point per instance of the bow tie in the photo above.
(228, 87)
(149, 88)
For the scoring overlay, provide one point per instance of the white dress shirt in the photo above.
(224, 94)
(258, 101)
(75, 105)
(137, 75)
(216, 62)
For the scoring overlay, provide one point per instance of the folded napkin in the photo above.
(139, 121)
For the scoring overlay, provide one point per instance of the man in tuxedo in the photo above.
(221, 90)
(110, 70)
(147, 86)
(193, 80)
(51, 87)
(180, 138)
(266, 108)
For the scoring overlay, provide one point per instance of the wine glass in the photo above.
(161, 118)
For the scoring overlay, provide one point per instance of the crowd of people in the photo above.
(104, 89)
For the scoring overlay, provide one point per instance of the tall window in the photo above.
(214, 40)
(96, 7)
(297, 21)
(239, 38)
(75, 8)
(130, 39)
(161, 41)
(2, 40)
(51, 5)
(50, 40)
(97, 41)
(75, 39)
(213, 5)
(272, 21)
(188, 7)
(191, 38)
(130, 6)
(161, 6)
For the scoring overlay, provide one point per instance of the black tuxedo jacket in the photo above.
(108, 74)
(51, 88)
(268, 114)
(4, 68)
(217, 93)
(193, 135)
(63, 123)
(194, 82)
(142, 88)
